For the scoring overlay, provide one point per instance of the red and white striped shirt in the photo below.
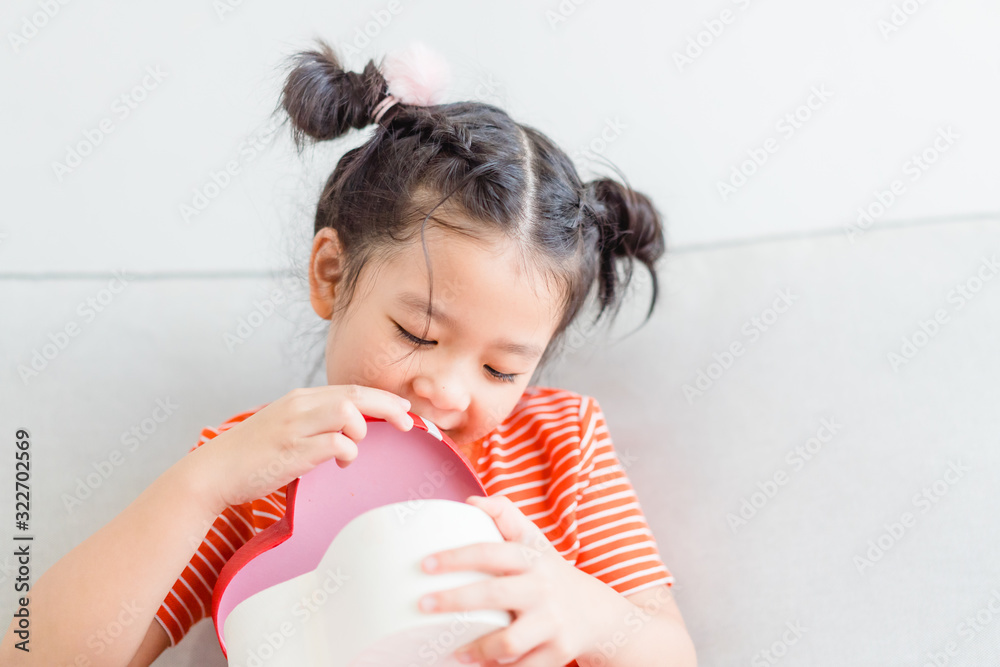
(552, 456)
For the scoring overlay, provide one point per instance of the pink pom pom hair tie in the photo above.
(415, 75)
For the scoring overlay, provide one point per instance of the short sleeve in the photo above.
(190, 598)
(616, 543)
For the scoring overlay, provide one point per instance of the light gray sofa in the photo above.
(819, 500)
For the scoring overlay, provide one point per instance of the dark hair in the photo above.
(472, 158)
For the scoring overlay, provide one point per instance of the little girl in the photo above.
(451, 253)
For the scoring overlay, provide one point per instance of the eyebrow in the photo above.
(418, 304)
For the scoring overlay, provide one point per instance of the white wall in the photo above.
(572, 71)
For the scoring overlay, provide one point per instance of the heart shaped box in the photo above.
(335, 581)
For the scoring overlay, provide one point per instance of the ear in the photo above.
(325, 270)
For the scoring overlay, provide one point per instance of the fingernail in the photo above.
(463, 656)
(430, 563)
(428, 603)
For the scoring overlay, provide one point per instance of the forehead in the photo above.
(477, 284)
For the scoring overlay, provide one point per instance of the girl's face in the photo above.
(490, 325)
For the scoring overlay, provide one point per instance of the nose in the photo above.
(444, 388)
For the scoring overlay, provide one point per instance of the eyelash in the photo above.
(407, 336)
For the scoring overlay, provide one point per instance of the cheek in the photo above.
(377, 359)
(494, 406)
(349, 358)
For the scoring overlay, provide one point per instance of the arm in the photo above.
(156, 642)
(645, 628)
(113, 582)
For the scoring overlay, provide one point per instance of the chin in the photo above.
(459, 439)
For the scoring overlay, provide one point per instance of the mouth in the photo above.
(450, 432)
(441, 428)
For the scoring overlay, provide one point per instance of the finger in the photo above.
(543, 656)
(381, 404)
(516, 592)
(324, 418)
(511, 522)
(352, 422)
(352, 403)
(325, 446)
(319, 411)
(528, 632)
(499, 558)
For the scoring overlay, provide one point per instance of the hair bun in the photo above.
(630, 224)
(323, 100)
(630, 228)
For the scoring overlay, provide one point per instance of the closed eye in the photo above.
(410, 338)
(503, 377)
(407, 336)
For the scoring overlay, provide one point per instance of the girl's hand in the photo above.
(292, 435)
(558, 609)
